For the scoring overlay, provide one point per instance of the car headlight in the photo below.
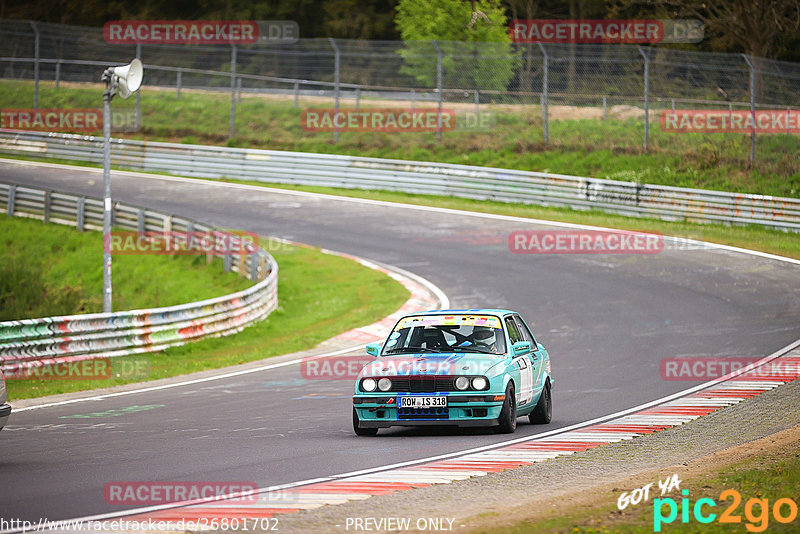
(479, 383)
(368, 384)
(384, 384)
(462, 383)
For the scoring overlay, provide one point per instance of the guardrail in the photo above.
(546, 189)
(35, 342)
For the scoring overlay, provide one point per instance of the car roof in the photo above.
(471, 311)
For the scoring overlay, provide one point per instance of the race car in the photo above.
(478, 367)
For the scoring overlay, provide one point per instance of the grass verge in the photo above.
(770, 474)
(580, 146)
(320, 295)
(52, 269)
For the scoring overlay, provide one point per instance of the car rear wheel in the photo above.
(508, 415)
(543, 413)
(362, 431)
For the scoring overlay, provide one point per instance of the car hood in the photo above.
(451, 363)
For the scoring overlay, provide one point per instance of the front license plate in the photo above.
(422, 402)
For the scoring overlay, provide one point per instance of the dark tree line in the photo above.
(768, 28)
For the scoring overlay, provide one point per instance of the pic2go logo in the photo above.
(756, 511)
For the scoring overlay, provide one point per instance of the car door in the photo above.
(524, 392)
(536, 356)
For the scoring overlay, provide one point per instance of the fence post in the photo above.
(752, 109)
(35, 64)
(47, 203)
(477, 102)
(439, 90)
(358, 97)
(138, 93)
(12, 195)
(254, 267)
(178, 84)
(239, 90)
(231, 127)
(545, 93)
(296, 91)
(58, 73)
(605, 105)
(79, 216)
(140, 221)
(646, 96)
(413, 100)
(336, 59)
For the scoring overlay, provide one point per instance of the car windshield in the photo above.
(447, 333)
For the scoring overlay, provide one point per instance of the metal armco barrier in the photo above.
(545, 189)
(35, 342)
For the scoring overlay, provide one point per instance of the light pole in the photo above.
(123, 81)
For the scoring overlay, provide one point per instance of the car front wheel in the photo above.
(543, 413)
(508, 415)
(362, 431)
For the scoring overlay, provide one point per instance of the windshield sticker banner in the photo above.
(449, 320)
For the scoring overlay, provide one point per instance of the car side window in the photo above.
(525, 332)
(513, 333)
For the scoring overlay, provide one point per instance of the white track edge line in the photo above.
(217, 183)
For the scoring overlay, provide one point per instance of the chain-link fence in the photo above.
(637, 81)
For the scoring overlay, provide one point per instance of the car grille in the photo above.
(423, 384)
(423, 413)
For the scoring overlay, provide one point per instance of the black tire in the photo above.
(508, 415)
(362, 431)
(543, 413)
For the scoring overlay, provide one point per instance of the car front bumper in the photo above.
(5, 411)
(470, 410)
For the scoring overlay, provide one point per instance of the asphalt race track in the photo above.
(607, 321)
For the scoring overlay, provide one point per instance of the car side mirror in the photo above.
(374, 349)
(521, 347)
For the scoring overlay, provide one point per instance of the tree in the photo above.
(473, 37)
(753, 25)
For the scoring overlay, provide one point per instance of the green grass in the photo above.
(320, 295)
(771, 477)
(52, 269)
(585, 147)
